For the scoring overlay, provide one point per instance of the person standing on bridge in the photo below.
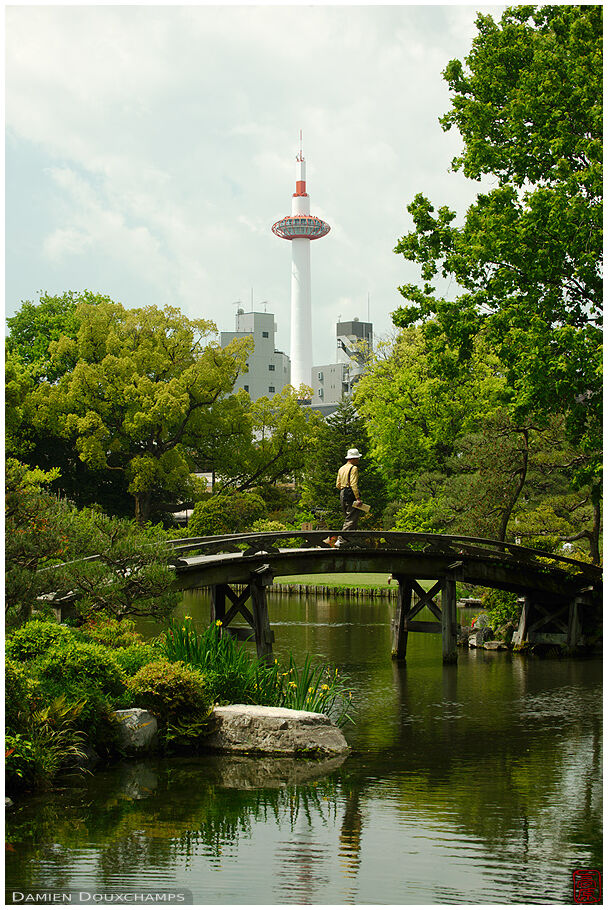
(347, 483)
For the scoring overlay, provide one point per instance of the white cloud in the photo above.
(165, 139)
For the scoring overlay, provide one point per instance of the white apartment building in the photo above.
(269, 370)
(331, 382)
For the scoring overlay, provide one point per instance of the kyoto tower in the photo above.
(300, 228)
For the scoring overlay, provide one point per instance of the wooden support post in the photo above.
(574, 624)
(264, 636)
(404, 603)
(448, 621)
(524, 619)
(218, 603)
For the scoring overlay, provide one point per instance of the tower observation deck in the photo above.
(300, 228)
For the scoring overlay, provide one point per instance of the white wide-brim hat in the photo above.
(353, 453)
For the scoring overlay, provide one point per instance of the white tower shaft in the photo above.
(301, 318)
(300, 228)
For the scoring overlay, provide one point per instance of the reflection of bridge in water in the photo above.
(561, 596)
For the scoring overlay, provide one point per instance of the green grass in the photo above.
(342, 580)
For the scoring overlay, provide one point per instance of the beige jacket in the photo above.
(346, 479)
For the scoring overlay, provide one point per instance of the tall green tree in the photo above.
(37, 324)
(416, 404)
(274, 443)
(342, 430)
(138, 394)
(528, 255)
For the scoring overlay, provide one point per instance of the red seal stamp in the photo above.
(587, 886)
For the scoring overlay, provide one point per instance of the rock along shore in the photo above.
(245, 729)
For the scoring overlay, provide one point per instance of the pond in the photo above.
(479, 783)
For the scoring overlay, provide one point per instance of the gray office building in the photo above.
(331, 382)
(269, 370)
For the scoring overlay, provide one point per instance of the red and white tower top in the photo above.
(300, 227)
(300, 223)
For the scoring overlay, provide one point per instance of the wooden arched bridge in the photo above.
(561, 596)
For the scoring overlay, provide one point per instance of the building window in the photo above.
(320, 393)
(271, 367)
(264, 334)
(271, 388)
(320, 377)
(246, 387)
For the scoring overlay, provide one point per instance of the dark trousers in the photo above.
(351, 515)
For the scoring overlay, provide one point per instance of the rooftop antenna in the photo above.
(300, 156)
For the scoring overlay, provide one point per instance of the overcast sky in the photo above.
(151, 148)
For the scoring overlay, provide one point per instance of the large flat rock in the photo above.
(261, 729)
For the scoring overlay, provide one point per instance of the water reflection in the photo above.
(478, 783)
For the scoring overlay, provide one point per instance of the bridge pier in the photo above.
(404, 621)
(258, 623)
(404, 602)
(449, 636)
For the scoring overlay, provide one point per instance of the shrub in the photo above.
(35, 638)
(18, 690)
(230, 673)
(418, 518)
(166, 688)
(111, 632)
(20, 762)
(52, 743)
(501, 607)
(226, 513)
(96, 718)
(80, 662)
(135, 657)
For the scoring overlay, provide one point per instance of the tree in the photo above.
(138, 395)
(131, 575)
(416, 401)
(226, 513)
(48, 542)
(36, 325)
(528, 257)
(35, 537)
(342, 430)
(280, 433)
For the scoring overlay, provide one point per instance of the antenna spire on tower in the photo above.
(300, 156)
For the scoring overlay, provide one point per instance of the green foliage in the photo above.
(96, 718)
(267, 525)
(20, 761)
(280, 433)
(79, 662)
(232, 676)
(417, 401)
(51, 744)
(36, 325)
(132, 391)
(342, 430)
(166, 688)
(35, 638)
(111, 632)
(131, 576)
(132, 658)
(316, 688)
(36, 529)
(501, 607)
(226, 513)
(418, 518)
(18, 695)
(528, 257)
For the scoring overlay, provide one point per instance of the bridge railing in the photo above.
(437, 544)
